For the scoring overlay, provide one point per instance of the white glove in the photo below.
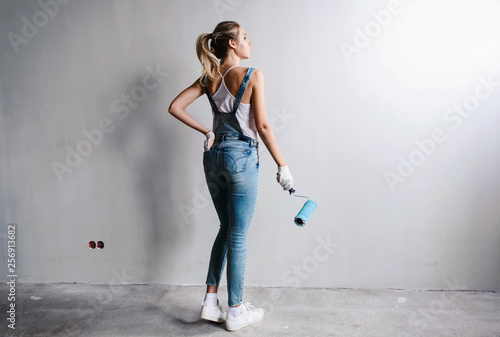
(284, 177)
(210, 140)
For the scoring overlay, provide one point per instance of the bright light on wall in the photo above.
(446, 31)
(444, 42)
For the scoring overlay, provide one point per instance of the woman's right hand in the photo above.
(209, 141)
(284, 177)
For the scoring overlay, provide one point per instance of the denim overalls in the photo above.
(231, 170)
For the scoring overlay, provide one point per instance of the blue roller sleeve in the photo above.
(305, 212)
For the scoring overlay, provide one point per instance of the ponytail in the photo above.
(211, 64)
(211, 56)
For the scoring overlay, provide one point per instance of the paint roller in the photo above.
(306, 211)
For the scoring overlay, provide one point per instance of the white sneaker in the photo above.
(212, 313)
(249, 315)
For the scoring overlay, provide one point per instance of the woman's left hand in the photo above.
(284, 177)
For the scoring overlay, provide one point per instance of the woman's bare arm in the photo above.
(178, 106)
(261, 121)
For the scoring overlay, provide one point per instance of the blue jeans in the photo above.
(231, 170)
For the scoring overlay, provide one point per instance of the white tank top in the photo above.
(224, 101)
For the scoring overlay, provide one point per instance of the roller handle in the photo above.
(292, 191)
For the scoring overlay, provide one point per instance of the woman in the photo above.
(230, 160)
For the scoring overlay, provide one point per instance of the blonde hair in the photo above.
(212, 55)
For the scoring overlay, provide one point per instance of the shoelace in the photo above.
(249, 306)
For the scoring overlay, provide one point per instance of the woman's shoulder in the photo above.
(243, 69)
(257, 77)
(255, 74)
(255, 70)
(235, 79)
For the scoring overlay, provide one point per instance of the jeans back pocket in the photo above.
(235, 160)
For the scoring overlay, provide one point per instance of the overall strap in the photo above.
(243, 87)
(212, 103)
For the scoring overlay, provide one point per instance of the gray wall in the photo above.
(389, 124)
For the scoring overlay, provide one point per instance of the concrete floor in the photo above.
(55, 309)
